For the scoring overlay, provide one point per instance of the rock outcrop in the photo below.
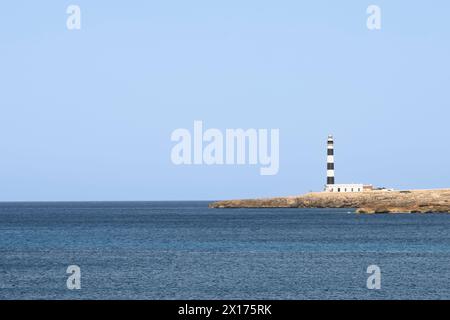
(411, 201)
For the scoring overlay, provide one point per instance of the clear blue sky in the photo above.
(87, 115)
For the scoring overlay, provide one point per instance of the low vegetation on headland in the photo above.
(408, 201)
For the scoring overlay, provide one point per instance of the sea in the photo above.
(185, 250)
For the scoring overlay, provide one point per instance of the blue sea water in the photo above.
(184, 250)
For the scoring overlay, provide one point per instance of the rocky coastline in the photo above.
(406, 201)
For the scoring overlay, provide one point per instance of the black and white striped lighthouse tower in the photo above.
(330, 160)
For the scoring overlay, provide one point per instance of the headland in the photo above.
(375, 201)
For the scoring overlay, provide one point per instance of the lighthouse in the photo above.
(330, 160)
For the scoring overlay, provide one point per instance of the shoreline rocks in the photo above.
(408, 201)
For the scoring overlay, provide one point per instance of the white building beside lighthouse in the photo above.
(346, 187)
(331, 186)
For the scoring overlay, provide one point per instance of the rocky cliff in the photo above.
(414, 201)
